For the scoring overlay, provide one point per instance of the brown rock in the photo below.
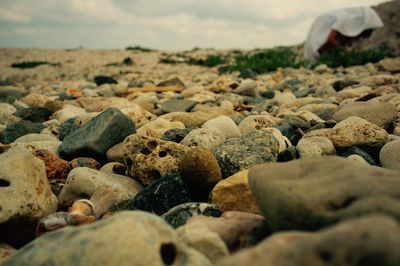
(56, 168)
(85, 162)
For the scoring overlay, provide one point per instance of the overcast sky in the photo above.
(161, 24)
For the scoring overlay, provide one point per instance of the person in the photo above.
(339, 27)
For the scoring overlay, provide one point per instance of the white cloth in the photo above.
(348, 21)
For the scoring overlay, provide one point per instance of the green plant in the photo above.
(139, 48)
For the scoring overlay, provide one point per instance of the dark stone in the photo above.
(358, 151)
(100, 80)
(10, 95)
(127, 61)
(288, 154)
(67, 128)
(269, 94)
(65, 96)
(247, 74)
(304, 92)
(224, 69)
(172, 82)
(289, 132)
(176, 134)
(237, 154)
(179, 215)
(84, 162)
(98, 135)
(34, 114)
(316, 127)
(296, 122)
(330, 123)
(176, 105)
(6, 83)
(339, 85)
(19, 129)
(164, 194)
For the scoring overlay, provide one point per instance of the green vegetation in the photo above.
(32, 64)
(139, 48)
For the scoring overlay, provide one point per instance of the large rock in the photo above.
(308, 194)
(96, 137)
(366, 241)
(242, 153)
(390, 155)
(128, 238)
(25, 196)
(83, 182)
(380, 114)
(148, 159)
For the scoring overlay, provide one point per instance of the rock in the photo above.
(56, 168)
(208, 138)
(207, 242)
(172, 82)
(35, 100)
(176, 105)
(350, 93)
(360, 152)
(389, 155)
(358, 159)
(100, 80)
(25, 196)
(116, 153)
(67, 112)
(256, 122)
(236, 229)
(164, 194)
(200, 172)
(68, 127)
(6, 114)
(242, 153)
(5, 252)
(315, 147)
(96, 137)
(288, 154)
(82, 183)
(33, 137)
(380, 114)
(248, 73)
(319, 192)
(233, 194)
(362, 241)
(322, 110)
(340, 84)
(152, 237)
(114, 168)
(148, 159)
(32, 146)
(296, 122)
(34, 114)
(283, 141)
(10, 94)
(390, 64)
(248, 87)
(84, 162)
(179, 215)
(18, 129)
(158, 127)
(176, 134)
(225, 124)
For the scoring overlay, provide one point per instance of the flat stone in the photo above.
(96, 137)
(34, 114)
(25, 196)
(233, 194)
(372, 240)
(242, 153)
(177, 105)
(225, 124)
(390, 155)
(318, 192)
(18, 129)
(315, 147)
(84, 162)
(110, 242)
(100, 80)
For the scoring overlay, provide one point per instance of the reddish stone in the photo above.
(56, 168)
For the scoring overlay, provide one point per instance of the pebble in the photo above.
(176, 105)
(208, 138)
(390, 155)
(315, 147)
(158, 127)
(225, 124)
(19, 129)
(256, 122)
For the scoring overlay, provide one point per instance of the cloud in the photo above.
(172, 24)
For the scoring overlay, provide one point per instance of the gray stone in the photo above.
(18, 129)
(208, 138)
(390, 155)
(176, 105)
(128, 238)
(96, 137)
(242, 153)
(318, 192)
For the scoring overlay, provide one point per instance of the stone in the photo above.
(323, 110)
(96, 137)
(56, 168)
(358, 159)
(68, 127)
(288, 154)
(6, 114)
(390, 64)
(148, 159)
(248, 87)
(25, 196)
(177, 105)
(32, 146)
(10, 94)
(172, 82)
(158, 127)
(315, 147)
(283, 141)
(159, 197)
(360, 152)
(363, 241)
(208, 138)
(5, 252)
(110, 242)
(116, 153)
(236, 229)
(200, 172)
(35, 100)
(317, 192)
(296, 122)
(82, 183)
(84, 162)
(256, 122)
(176, 134)
(380, 114)
(68, 111)
(242, 153)
(340, 84)
(351, 93)
(247, 73)
(34, 114)
(114, 168)
(100, 80)
(33, 137)
(179, 215)
(18, 129)
(233, 194)
(225, 124)
(390, 155)
(207, 242)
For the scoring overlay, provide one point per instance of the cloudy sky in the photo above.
(161, 24)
